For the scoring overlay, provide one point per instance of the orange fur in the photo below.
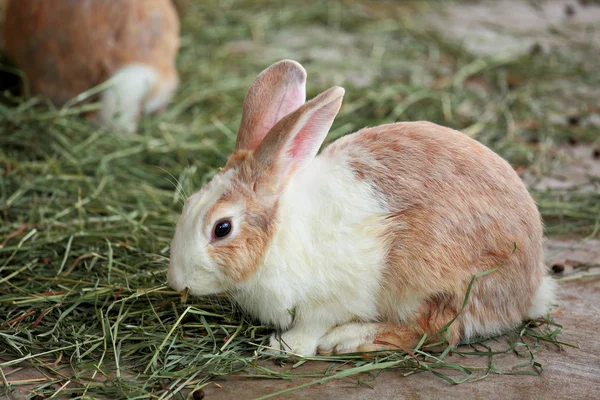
(241, 257)
(392, 337)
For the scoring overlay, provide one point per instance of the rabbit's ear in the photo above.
(296, 139)
(276, 92)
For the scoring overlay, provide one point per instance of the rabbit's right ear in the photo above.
(276, 92)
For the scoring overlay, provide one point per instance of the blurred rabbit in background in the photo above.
(66, 47)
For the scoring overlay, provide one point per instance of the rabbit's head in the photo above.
(225, 229)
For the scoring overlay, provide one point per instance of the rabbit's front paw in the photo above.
(293, 341)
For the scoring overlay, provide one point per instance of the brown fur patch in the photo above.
(395, 337)
(236, 159)
(435, 313)
(240, 256)
(455, 209)
(67, 47)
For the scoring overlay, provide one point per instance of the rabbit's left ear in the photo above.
(295, 140)
(276, 92)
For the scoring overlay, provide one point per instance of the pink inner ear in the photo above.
(296, 139)
(290, 102)
(290, 98)
(302, 144)
(307, 142)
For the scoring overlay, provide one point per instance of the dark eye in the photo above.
(222, 228)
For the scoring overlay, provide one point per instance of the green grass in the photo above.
(86, 216)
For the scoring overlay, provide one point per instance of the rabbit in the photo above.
(369, 245)
(66, 47)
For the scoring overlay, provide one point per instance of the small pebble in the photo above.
(198, 394)
(536, 48)
(573, 120)
(558, 268)
(569, 10)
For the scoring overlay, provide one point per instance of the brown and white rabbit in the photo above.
(66, 47)
(369, 245)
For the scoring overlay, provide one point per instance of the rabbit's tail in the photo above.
(543, 299)
(134, 89)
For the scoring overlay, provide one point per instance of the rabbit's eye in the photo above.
(222, 228)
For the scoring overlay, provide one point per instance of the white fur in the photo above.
(543, 299)
(323, 264)
(322, 267)
(133, 88)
